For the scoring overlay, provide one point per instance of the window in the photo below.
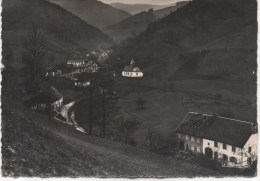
(192, 148)
(192, 138)
(225, 157)
(249, 149)
(224, 146)
(249, 161)
(233, 159)
(187, 137)
(215, 155)
(179, 135)
(198, 149)
(233, 148)
(215, 144)
(136, 73)
(198, 140)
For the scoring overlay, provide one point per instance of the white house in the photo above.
(229, 141)
(53, 72)
(132, 70)
(50, 100)
(77, 63)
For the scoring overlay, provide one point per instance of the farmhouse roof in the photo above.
(195, 124)
(230, 131)
(225, 130)
(46, 97)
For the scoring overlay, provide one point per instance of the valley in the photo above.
(92, 89)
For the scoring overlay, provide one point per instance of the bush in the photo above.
(140, 104)
(126, 130)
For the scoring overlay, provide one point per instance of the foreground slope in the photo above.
(93, 12)
(35, 146)
(218, 34)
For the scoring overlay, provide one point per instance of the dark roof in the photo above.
(136, 69)
(51, 69)
(195, 124)
(128, 68)
(225, 130)
(46, 97)
(230, 131)
(60, 117)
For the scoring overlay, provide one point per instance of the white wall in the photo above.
(241, 154)
(252, 142)
(132, 74)
(228, 151)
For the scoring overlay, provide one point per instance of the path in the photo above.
(113, 159)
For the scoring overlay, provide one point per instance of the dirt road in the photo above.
(105, 158)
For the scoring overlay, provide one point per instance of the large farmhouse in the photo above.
(50, 100)
(132, 70)
(229, 141)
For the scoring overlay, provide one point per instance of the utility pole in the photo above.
(91, 105)
(104, 106)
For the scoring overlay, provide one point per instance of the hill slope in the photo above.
(137, 8)
(166, 11)
(199, 26)
(138, 23)
(32, 145)
(65, 33)
(131, 26)
(93, 12)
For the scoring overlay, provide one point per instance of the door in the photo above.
(181, 145)
(209, 152)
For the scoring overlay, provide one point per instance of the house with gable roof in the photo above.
(229, 141)
(132, 70)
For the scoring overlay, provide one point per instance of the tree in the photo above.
(153, 139)
(34, 47)
(126, 129)
(140, 103)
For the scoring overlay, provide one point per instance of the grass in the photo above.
(32, 145)
(164, 110)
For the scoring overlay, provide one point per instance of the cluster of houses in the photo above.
(132, 70)
(228, 141)
(49, 101)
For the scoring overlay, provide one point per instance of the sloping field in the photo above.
(35, 146)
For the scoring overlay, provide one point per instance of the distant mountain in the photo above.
(131, 26)
(138, 23)
(166, 11)
(65, 33)
(205, 39)
(137, 8)
(93, 12)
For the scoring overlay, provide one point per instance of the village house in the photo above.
(132, 70)
(53, 72)
(76, 63)
(229, 141)
(50, 101)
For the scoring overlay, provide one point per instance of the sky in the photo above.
(157, 2)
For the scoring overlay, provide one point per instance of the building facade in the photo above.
(229, 141)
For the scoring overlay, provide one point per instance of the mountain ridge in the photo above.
(93, 12)
(195, 26)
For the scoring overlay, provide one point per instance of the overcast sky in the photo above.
(157, 2)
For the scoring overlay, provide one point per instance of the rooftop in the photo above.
(225, 130)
